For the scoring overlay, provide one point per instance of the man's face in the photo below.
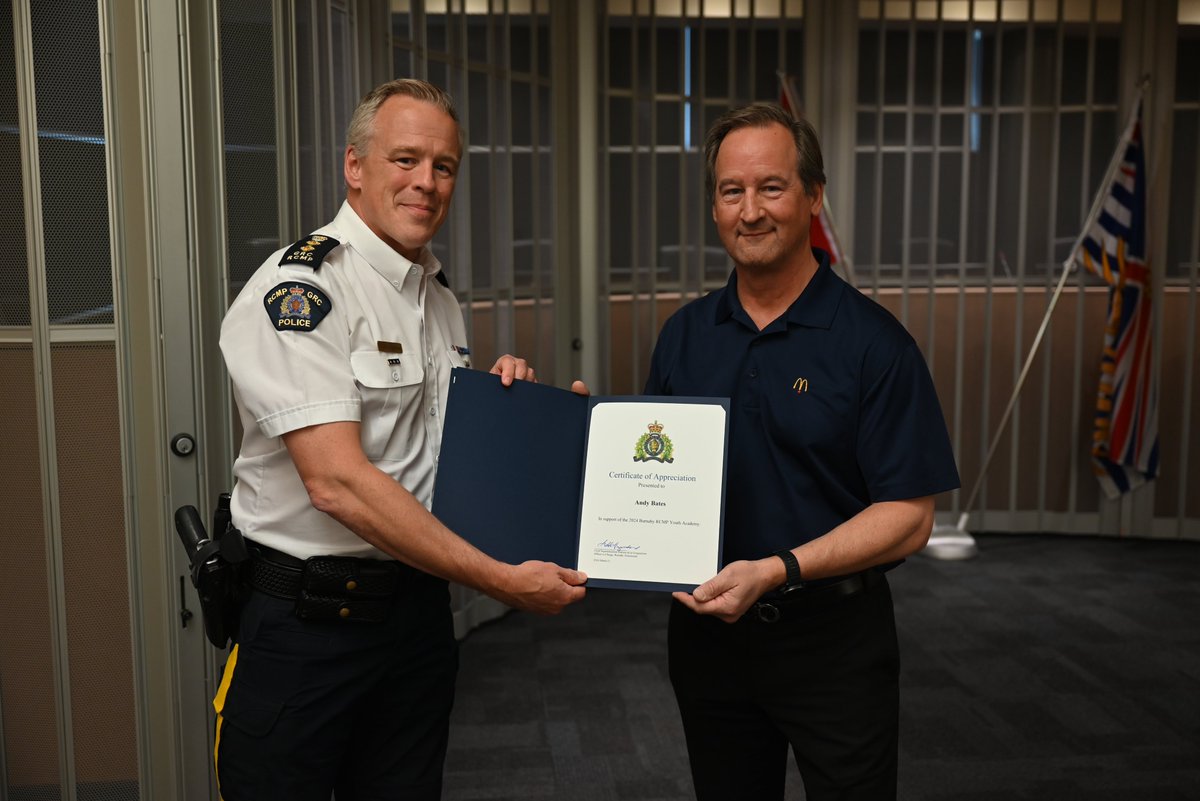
(401, 187)
(760, 207)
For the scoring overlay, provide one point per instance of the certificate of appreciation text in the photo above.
(653, 488)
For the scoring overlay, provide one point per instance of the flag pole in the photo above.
(954, 542)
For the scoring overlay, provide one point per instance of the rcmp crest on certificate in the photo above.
(654, 446)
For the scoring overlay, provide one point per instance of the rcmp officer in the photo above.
(837, 447)
(340, 349)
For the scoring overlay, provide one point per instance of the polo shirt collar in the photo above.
(815, 308)
(382, 257)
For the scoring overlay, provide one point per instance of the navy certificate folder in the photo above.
(512, 461)
(511, 471)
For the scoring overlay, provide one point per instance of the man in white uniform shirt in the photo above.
(340, 349)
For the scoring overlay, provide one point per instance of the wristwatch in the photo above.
(793, 581)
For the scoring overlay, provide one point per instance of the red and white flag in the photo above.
(822, 232)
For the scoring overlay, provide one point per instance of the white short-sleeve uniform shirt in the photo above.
(365, 335)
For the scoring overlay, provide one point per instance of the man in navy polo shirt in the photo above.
(837, 446)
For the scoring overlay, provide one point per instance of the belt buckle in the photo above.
(767, 612)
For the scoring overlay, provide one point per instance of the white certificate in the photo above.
(653, 492)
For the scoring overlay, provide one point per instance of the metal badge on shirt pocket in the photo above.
(381, 369)
(463, 353)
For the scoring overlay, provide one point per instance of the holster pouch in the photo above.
(336, 588)
(216, 569)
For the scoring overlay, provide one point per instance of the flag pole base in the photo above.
(950, 543)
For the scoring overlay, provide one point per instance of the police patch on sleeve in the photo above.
(296, 307)
(309, 251)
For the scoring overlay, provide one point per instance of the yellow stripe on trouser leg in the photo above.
(219, 706)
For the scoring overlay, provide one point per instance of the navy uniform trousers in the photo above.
(823, 679)
(361, 709)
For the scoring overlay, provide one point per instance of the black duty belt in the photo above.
(772, 609)
(332, 587)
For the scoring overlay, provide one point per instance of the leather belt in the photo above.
(338, 588)
(772, 609)
(282, 575)
(275, 573)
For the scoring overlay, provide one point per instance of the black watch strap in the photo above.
(793, 580)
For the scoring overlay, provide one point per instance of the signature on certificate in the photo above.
(613, 545)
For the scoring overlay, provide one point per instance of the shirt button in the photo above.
(415, 269)
(433, 412)
(395, 376)
(396, 284)
(754, 372)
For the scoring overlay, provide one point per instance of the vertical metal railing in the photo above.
(1085, 202)
(906, 214)
(40, 332)
(989, 250)
(1014, 463)
(1190, 284)
(540, 298)
(1051, 257)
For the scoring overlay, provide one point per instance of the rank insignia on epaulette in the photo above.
(309, 251)
(296, 306)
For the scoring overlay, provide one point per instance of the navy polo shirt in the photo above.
(832, 409)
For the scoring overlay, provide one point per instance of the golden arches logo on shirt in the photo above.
(654, 445)
(296, 306)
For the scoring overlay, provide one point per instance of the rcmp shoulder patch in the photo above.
(296, 307)
(309, 251)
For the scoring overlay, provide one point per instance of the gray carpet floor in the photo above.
(1046, 668)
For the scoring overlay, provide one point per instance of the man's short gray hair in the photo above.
(362, 123)
(809, 164)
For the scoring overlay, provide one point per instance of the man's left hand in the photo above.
(731, 592)
(510, 368)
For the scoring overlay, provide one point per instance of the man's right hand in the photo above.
(731, 592)
(541, 587)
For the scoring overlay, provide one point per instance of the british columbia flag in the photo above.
(1113, 247)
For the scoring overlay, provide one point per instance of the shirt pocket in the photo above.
(389, 384)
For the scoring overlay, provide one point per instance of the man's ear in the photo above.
(818, 199)
(353, 168)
